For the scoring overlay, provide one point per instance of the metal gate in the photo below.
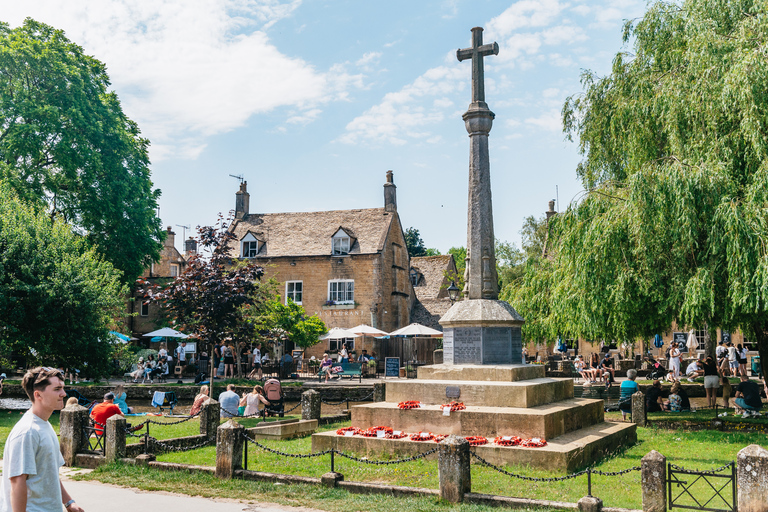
(713, 490)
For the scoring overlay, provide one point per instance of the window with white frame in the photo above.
(334, 345)
(144, 308)
(174, 270)
(340, 243)
(294, 291)
(341, 291)
(249, 246)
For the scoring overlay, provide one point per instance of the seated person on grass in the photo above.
(678, 399)
(654, 401)
(103, 411)
(748, 399)
(694, 371)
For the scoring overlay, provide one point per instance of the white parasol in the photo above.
(367, 330)
(166, 332)
(338, 333)
(692, 343)
(416, 330)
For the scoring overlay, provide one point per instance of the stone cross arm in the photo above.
(476, 53)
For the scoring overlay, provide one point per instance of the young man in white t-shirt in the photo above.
(32, 457)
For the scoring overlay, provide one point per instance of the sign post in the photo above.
(392, 367)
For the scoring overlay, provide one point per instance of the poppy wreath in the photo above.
(355, 431)
(455, 406)
(409, 404)
(507, 440)
(533, 443)
(476, 440)
(392, 435)
(440, 437)
(422, 436)
(373, 431)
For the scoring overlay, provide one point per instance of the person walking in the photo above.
(229, 360)
(674, 361)
(742, 356)
(733, 360)
(32, 457)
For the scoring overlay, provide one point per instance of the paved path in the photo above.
(96, 497)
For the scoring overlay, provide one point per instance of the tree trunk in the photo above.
(761, 338)
(237, 362)
(213, 371)
(710, 345)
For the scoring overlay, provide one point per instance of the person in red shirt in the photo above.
(103, 411)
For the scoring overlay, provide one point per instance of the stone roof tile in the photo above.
(309, 233)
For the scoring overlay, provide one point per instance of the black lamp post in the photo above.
(453, 292)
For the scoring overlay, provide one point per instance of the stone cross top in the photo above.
(480, 275)
(476, 53)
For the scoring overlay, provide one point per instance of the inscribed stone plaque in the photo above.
(452, 392)
(448, 346)
(497, 345)
(467, 345)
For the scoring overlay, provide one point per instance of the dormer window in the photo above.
(341, 243)
(250, 246)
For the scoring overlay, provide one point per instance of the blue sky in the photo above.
(312, 101)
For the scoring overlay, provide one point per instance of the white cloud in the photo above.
(305, 117)
(522, 14)
(367, 59)
(401, 114)
(549, 121)
(178, 65)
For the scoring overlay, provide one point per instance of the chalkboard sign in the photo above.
(681, 338)
(725, 336)
(392, 367)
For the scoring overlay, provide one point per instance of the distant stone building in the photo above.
(171, 264)
(349, 267)
(430, 284)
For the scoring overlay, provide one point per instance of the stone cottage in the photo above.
(349, 267)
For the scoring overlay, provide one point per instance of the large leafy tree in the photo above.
(673, 226)
(210, 298)
(66, 144)
(291, 320)
(58, 297)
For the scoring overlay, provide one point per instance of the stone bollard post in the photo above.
(380, 392)
(310, 405)
(209, 418)
(114, 442)
(752, 479)
(229, 449)
(453, 468)
(437, 356)
(653, 471)
(639, 411)
(73, 441)
(590, 504)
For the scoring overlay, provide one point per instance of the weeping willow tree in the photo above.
(673, 224)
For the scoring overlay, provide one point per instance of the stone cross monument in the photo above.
(480, 329)
(480, 277)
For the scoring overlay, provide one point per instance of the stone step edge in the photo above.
(572, 403)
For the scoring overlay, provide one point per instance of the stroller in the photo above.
(657, 371)
(274, 394)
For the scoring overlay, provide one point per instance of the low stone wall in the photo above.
(132, 450)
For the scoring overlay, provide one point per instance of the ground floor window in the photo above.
(341, 292)
(145, 308)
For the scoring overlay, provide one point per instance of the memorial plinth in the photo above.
(482, 331)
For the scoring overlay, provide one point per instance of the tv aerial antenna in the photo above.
(238, 177)
(184, 233)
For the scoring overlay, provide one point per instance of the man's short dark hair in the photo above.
(37, 379)
(109, 396)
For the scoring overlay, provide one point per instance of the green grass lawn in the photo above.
(172, 429)
(693, 450)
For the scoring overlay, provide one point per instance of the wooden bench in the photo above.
(351, 369)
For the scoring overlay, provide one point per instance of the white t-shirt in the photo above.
(732, 354)
(32, 448)
(180, 353)
(693, 367)
(257, 355)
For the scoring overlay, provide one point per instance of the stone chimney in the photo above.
(242, 201)
(390, 194)
(551, 210)
(170, 237)
(190, 247)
